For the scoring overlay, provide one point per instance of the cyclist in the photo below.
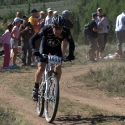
(52, 36)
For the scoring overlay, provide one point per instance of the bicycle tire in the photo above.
(53, 100)
(40, 101)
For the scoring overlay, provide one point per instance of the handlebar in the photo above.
(45, 57)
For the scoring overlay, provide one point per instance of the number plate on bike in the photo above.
(54, 59)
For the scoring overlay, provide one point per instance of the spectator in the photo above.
(68, 22)
(69, 25)
(55, 13)
(5, 39)
(105, 32)
(18, 14)
(120, 32)
(26, 31)
(93, 37)
(101, 25)
(41, 19)
(48, 19)
(34, 22)
(14, 40)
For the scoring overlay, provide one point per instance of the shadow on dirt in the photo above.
(77, 119)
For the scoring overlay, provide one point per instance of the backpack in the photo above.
(86, 30)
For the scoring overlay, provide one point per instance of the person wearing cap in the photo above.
(48, 19)
(120, 32)
(18, 14)
(55, 13)
(26, 31)
(34, 22)
(69, 25)
(101, 25)
(93, 37)
(14, 40)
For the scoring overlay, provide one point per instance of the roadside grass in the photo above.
(9, 117)
(86, 114)
(109, 78)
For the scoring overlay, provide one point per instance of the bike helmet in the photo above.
(65, 12)
(58, 21)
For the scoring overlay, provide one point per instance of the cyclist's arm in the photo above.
(35, 37)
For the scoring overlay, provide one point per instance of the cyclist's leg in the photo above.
(38, 74)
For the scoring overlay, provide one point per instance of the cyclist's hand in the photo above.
(71, 57)
(35, 52)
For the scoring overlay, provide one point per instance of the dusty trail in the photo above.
(70, 89)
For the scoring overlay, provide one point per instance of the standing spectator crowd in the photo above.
(20, 30)
(99, 29)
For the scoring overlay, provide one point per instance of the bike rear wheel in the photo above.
(52, 100)
(40, 101)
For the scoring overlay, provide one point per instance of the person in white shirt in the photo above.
(120, 32)
(48, 19)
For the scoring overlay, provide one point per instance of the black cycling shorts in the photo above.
(46, 49)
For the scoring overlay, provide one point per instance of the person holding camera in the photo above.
(26, 31)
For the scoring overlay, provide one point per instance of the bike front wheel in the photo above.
(52, 99)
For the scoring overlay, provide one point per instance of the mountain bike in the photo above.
(48, 94)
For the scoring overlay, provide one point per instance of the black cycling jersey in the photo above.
(50, 40)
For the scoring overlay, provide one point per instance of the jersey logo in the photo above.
(53, 42)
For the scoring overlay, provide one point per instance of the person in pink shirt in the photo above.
(14, 41)
(5, 40)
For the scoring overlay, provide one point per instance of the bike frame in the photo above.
(48, 69)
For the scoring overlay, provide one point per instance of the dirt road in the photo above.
(69, 89)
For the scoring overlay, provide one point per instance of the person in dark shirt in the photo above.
(52, 37)
(26, 31)
(69, 25)
(68, 22)
(93, 37)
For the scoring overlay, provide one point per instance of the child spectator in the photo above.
(5, 40)
(14, 41)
